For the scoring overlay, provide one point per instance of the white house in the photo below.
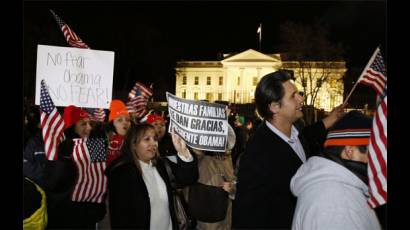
(235, 77)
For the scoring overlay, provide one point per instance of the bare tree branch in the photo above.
(311, 54)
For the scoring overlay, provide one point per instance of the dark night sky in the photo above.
(149, 37)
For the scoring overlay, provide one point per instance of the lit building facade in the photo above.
(234, 78)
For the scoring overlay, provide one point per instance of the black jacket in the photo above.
(263, 198)
(34, 159)
(59, 180)
(129, 203)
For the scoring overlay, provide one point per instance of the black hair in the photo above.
(110, 128)
(337, 150)
(333, 150)
(333, 153)
(70, 133)
(270, 89)
(133, 136)
(249, 120)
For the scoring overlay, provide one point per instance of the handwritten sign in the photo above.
(201, 124)
(74, 76)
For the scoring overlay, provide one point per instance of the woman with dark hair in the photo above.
(63, 175)
(165, 146)
(139, 187)
(119, 123)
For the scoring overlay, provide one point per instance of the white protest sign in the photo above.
(201, 124)
(74, 76)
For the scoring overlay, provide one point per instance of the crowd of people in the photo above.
(272, 175)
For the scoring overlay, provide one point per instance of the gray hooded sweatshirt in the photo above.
(330, 197)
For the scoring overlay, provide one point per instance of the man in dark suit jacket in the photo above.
(263, 199)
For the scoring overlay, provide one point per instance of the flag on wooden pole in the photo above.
(374, 75)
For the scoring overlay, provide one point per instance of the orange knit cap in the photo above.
(117, 108)
(72, 114)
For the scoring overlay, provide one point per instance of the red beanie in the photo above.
(72, 115)
(153, 117)
(117, 108)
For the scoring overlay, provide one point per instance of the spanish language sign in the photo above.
(201, 124)
(74, 76)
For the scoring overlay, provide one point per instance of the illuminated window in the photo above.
(219, 96)
(221, 79)
(208, 80)
(239, 80)
(196, 80)
(184, 94)
(209, 96)
(332, 101)
(333, 83)
(184, 80)
(195, 96)
(254, 81)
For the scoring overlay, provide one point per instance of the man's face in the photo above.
(290, 107)
(159, 128)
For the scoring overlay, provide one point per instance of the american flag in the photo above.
(75, 41)
(52, 124)
(69, 35)
(97, 114)
(138, 99)
(90, 155)
(374, 75)
(377, 166)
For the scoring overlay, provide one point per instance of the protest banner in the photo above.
(201, 124)
(74, 76)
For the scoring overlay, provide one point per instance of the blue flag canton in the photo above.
(97, 149)
(46, 104)
(378, 64)
(138, 92)
(89, 110)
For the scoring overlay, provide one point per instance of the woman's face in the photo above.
(146, 148)
(122, 124)
(159, 128)
(83, 127)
